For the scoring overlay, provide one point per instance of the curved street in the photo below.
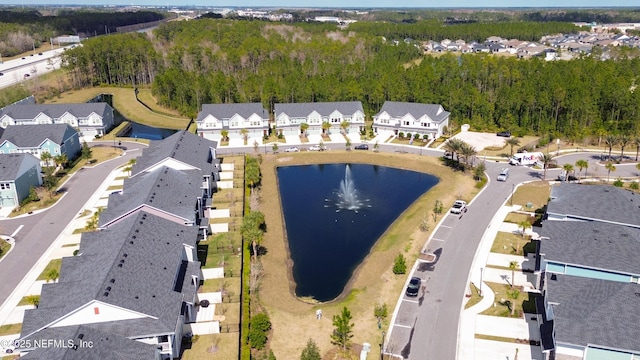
(35, 233)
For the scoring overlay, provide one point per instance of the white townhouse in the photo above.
(411, 118)
(289, 117)
(90, 119)
(234, 118)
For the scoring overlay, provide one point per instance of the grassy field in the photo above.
(10, 329)
(124, 101)
(373, 282)
(510, 244)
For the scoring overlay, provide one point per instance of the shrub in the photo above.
(400, 265)
(618, 183)
(401, 135)
(634, 186)
(259, 326)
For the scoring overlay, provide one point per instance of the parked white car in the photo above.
(292, 149)
(504, 174)
(317, 148)
(459, 207)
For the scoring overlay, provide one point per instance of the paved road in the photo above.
(37, 232)
(427, 327)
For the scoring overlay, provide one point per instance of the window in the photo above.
(424, 124)
(405, 123)
(5, 186)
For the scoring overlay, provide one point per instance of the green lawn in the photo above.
(10, 329)
(475, 296)
(508, 243)
(524, 302)
(4, 247)
(54, 264)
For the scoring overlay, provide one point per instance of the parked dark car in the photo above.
(26, 75)
(362, 147)
(414, 286)
(504, 133)
(1, 74)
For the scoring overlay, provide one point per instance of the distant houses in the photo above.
(420, 120)
(321, 118)
(90, 119)
(55, 139)
(589, 274)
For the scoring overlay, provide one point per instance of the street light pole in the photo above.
(480, 291)
(382, 345)
(512, 188)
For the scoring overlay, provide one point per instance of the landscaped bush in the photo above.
(258, 329)
(401, 135)
(400, 265)
(618, 183)
(634, 186)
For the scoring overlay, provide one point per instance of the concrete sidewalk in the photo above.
(471, 322)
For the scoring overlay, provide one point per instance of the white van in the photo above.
(532, 158)
(504, 174)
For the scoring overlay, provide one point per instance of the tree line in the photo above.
(188, 64)
(21, 31)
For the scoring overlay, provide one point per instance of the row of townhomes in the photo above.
(252, 120)
(589, 273)
(21, 148)
(132, 290)
(90, 119)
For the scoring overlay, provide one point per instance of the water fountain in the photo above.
(347, 196)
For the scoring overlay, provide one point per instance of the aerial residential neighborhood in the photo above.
(145, 181)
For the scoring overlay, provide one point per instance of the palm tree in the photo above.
(347, 145)
(303, 129)
(61, 160)
(636, 142)
(454, 146)
(546, 160)
(623, 140)
(610, 141)
(568, 168)
(225, 135)
(33, 300)
(513, 266)
(344, 126)
(610, 167)
(467, 151)
(244, 133)
(46, 157)
(583, 164)
(512, 142)
(325, 127)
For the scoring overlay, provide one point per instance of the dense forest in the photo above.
(21, 31)
(188, 64)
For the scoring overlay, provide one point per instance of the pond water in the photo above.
(147, 132)
(335, 213)
(136, 130)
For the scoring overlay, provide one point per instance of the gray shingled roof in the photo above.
(597, 202)
(227, 111)
(399, 109)
(31, 111)
(323, 108)
(103, 346)
(591, 244)
(10, 165)
(170, 190)
(33, 136)
(132, 264)
(595, 312)
(182, 146)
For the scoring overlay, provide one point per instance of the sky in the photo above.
(344, 3)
